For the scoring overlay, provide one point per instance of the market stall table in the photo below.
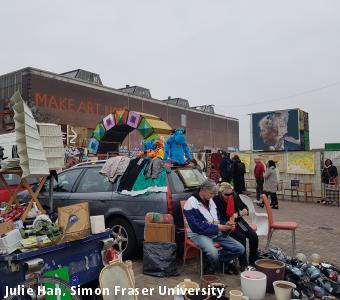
(82, 258)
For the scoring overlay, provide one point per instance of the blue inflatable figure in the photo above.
(176, 148)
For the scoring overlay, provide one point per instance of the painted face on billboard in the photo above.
(272, 127)
(276, 131)
(269, 135)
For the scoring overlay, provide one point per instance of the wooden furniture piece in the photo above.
(13, 194)
(22, 185)
(272, 225)
(305, 188)
(294, 187)
(34, 196)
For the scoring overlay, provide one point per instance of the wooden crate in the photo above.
(155, 232)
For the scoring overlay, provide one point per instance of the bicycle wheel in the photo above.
(35, 283)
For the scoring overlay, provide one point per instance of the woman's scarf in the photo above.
(230, 203)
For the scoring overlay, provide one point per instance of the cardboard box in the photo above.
(6, 227)
(10, 241)
(97, 224)
(159, 232)
(74, 221)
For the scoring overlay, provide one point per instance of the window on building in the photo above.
(183, 120)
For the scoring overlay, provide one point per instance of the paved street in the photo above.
(319, 232)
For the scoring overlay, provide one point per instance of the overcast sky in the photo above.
(241, 56)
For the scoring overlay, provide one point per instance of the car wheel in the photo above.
(124, 238)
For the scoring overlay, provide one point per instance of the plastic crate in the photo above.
(34, 167)
(28, 132)
(54, 152)
(52, 141)
(46, 129)
(55, 162)
(29, 143)
(27, 119)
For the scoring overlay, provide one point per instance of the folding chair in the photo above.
(259, 219)
(272, 226)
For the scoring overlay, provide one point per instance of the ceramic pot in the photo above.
(283, 289)
(274, 269)
(254, 284)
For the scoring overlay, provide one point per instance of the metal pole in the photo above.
(210, 131)
(50, 194)
(130, 132)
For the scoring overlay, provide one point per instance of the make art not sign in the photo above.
(69, 104)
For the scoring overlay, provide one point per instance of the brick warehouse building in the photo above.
(79, 100)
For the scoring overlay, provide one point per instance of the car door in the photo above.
(95, 189)
(63, 188)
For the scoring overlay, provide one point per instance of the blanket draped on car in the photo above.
(114, 167)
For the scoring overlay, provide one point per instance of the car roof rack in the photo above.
(89, 163)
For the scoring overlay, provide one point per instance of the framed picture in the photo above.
(189, 177)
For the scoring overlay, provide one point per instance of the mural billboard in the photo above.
(276, 131)
(300, 163)
(278, 158)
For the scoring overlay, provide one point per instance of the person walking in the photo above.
(271, 184)
(226, 167)
(239, 169)
(258, 173)
(228, 202)
(205, 229)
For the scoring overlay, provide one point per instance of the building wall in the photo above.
(65, 102)
(286, 177)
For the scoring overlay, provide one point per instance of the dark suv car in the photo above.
(124, 214)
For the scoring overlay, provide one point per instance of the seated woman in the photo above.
(228, 203)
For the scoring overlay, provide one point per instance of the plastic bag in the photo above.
(159, 259)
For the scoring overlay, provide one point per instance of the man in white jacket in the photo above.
(205, 228)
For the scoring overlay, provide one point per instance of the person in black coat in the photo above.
(329, 173)
(226, 167)
(329, 176)
(228, 203)
(239, 170)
